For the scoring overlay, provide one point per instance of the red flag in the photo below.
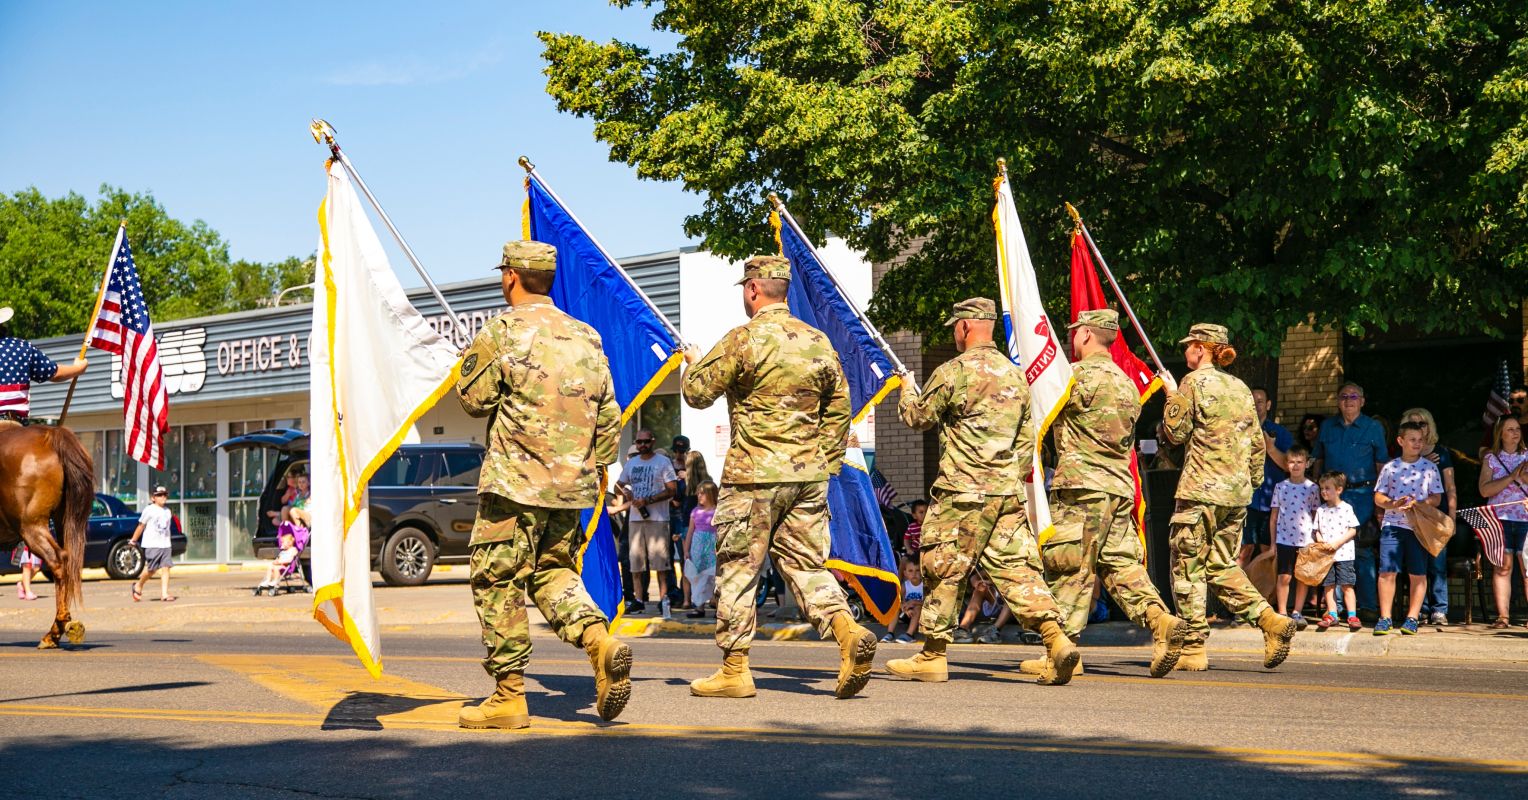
(1088, 295)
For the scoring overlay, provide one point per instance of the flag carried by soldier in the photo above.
(643, 347)
(1088, 295)
(363, 327)
(1032, 342)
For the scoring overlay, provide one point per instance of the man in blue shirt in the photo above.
(1354, 445)
(21, 365)
(1276, 442)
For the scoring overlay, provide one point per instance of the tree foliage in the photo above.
(53, 254)
(1245, 161)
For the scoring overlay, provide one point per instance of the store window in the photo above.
(660, 414)
(190, 474)
(248, 471)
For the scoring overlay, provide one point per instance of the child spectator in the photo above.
(1336, 528)
(154, 527)
(985, 605)
(1404, 482)
(700, 550)
(912, 602)
(913, 538)
(277, 568)
(30, 565)
(1294, 501)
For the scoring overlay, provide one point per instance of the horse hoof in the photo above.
(75, 631)
(47, 644)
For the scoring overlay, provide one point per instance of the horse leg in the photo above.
(43, 545)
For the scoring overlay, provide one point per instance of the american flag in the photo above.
(885, 493)
(1488, 529)
(123, 328)
(1496, 401)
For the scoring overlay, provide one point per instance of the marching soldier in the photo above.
(541, 378)
(1212, 414)
(21, 365)
(789, 407)
(980, 402)
(1093, 498)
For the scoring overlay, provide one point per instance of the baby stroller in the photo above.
(292, 579)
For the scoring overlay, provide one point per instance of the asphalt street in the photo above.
(198, 714)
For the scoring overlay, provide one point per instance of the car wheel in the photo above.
(125, 561)
(407, 558)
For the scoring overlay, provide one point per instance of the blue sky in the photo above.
(206, 106)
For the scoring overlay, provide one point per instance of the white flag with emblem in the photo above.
(1032, 342)
(377, 366)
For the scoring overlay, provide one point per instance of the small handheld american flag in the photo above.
(1488, 530)
(123, 328)
(1496, 401)
(885, 493)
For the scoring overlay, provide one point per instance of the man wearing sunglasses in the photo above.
(1354, 444)
(649, 482)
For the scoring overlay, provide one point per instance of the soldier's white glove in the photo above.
(1170, 383)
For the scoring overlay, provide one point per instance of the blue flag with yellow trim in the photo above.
(860, 547)
(638, 342)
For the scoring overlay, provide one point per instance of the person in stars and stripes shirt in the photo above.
(21, 365)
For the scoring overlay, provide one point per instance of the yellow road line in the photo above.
(325, 683)
(953, 741)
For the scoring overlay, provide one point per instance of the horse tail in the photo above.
(73, 518)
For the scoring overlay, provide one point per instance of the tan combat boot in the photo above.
(1278, 630)
(504, 709)
(732, 680)
(929, 665)
(611, 659)
(1061, 655)
(856, 652)
(1167, 634)
(1193, 658)
(1038, 666)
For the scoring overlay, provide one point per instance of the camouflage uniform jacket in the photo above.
(787, 399)
(1212, 412)
(1096, 429)
(986, 438)
(541, 378)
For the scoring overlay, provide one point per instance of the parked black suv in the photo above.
(423, 502)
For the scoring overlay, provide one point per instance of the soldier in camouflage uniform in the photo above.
(1212, 414)
(1093, 499)
(980, 401)
(788, 404)
(542, 380)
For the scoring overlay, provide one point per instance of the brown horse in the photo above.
(46, 475)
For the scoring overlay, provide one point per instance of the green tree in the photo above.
(1242, 160)
(53, 254)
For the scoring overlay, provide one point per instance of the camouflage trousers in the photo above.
(516, 548)
(1204, 541)
(788, 521)
(965, 531)
(1096, 535)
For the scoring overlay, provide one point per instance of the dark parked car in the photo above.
(423, 502)
(108, 540)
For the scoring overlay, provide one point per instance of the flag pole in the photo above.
(1108, 273)
(785, 214)
(94, 316)
(530, 172)
(323, 133)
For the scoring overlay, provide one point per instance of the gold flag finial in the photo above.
(1076, 218)
(322, 131)
(525, 164)
(774, 200)
(1002, 166)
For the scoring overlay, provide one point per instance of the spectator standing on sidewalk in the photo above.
(30, 565)
(1310, 430)
(1354, 445)
(1504, 484)
(154, 528)
(650, 482)
(1276, 443)
(1435, 604)
(1404, 482)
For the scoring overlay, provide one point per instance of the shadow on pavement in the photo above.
(133, 689)
(617, 763)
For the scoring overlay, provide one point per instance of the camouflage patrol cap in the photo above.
(766, 267)
(1207, 332)
(973, 308)
(1102, 318)
(529, 255)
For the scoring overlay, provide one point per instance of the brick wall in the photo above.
(907, 458)
(1310, 368)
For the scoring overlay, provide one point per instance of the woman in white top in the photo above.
(1504, 484)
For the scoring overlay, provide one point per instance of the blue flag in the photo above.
(860, 547)
(639, 344)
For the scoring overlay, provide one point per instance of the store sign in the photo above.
(181, 359)
(467, 327)
(258, 354)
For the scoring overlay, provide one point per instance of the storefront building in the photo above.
(234, 373)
